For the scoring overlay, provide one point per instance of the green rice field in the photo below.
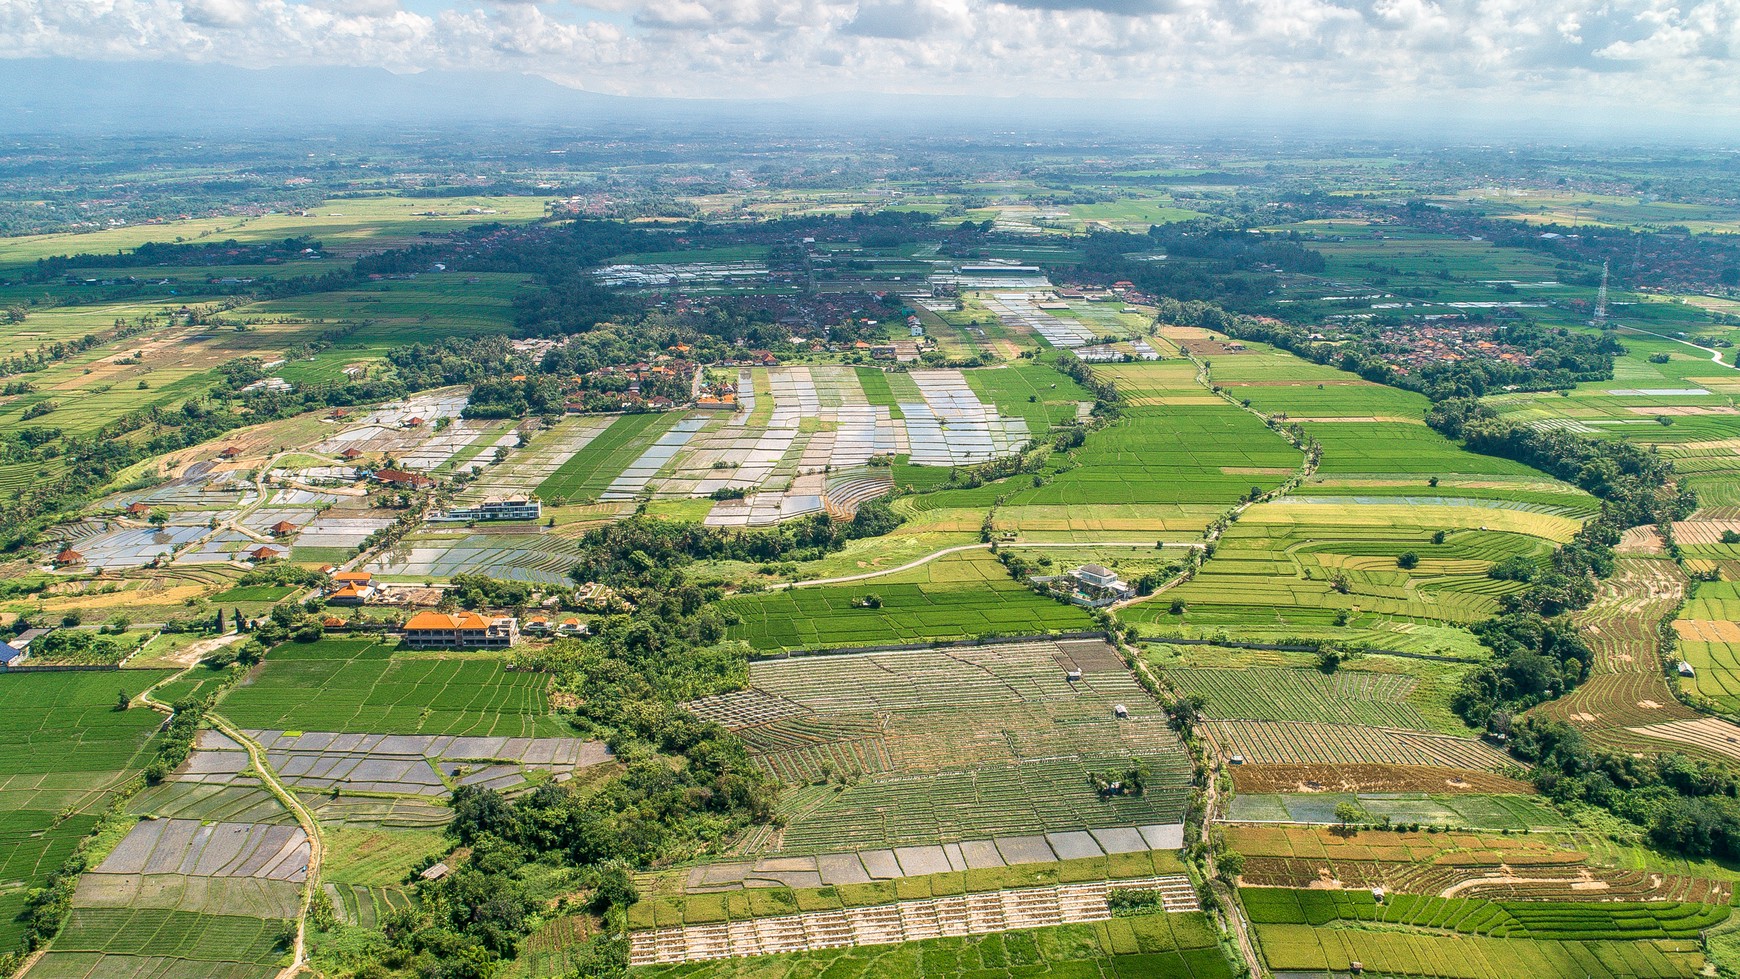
(966, 594)
(588, 472)
(360, 685)
(1173, 946)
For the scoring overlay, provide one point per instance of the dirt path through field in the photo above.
(286, 798)
(1307, 468)
(185, 659)
(959, 548)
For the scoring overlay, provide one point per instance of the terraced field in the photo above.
(1626, 690)
(1546, 866)
(1306, 561)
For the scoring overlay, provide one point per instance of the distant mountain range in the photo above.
(73, 96)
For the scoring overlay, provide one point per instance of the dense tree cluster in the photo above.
(631, 549)
(1558, 358)
(1636, 485)
(1687, 807)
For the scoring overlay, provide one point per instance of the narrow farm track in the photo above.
(268, 778)
(1307, 469)
(1213, 801)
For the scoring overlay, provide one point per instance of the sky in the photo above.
(1506, 56)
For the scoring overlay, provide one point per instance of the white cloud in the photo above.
(1679, 54)
(217, 13)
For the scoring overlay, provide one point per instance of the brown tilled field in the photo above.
(1535, 867)
(1260, 779)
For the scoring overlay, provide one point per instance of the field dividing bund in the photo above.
(959, 752)
(962, 916)
(362, 686)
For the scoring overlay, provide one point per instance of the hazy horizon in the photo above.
(1558, 66)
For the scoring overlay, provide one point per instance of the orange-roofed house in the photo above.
(138, 509)
(353, 577)
(461, 630)
(229, 452)
(283, 527)
(68, 558)
(265, 553)
(351, 594)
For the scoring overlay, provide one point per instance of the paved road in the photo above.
(1715, 355)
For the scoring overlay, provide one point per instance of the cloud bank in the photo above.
(1551, 55)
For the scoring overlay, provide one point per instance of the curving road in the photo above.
(1715, 355)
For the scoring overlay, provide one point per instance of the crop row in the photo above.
(1571, 921)
(1272, 694)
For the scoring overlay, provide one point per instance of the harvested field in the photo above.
(259, 897)
(1370, 778)
(1268, 694)
(1535, 867)
(1456, 810)
(1714, 735)
(412, 764)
